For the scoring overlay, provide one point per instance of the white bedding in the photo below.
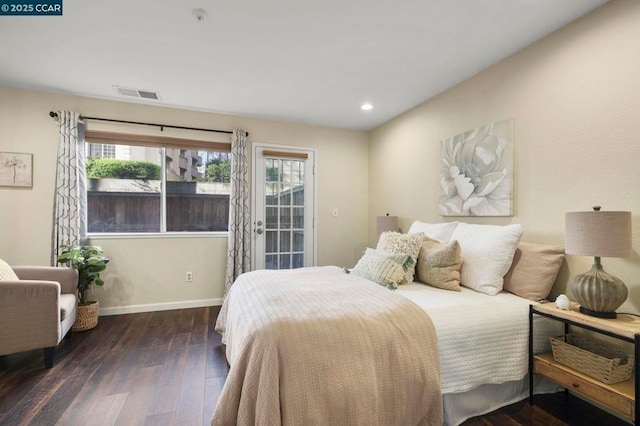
(481, 339)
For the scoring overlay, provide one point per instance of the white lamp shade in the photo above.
(386, 223)
(598, 234)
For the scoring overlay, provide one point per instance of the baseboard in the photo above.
(134, 309)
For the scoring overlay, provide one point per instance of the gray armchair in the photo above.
(37, 310)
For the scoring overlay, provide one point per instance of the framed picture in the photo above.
(476, 171)
(16, 169)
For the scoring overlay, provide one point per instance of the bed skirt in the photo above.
(459, 407)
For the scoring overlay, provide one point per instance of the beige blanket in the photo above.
(317, 346)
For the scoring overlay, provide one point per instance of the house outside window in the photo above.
(157, 189)
(102, 150)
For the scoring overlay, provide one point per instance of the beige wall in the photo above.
(575, 98)
(151, 270)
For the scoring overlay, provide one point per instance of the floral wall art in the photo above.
(476, 172)
(16, 169)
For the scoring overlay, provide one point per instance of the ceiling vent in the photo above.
(137, 93)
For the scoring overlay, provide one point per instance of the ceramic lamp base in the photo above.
(608, 315)
(598, 293)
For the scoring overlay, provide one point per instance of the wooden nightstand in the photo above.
(621, 398)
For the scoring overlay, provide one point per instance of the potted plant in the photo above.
(89, 262)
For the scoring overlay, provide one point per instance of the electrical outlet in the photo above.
(189, 276)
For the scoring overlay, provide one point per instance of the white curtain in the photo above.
(238, 251)
(70, 199)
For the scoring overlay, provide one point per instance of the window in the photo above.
(150, 186)
(284, 213)
(102, 150)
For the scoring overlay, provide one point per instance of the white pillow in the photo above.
(487, 251)
(6, 273)
(436, 231)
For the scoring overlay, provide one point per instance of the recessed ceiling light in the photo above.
(366, 107)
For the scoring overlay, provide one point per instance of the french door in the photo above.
(283, 215)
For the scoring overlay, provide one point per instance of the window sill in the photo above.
(153, 235)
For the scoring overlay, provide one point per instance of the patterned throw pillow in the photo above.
(6, 273)
(439, 264)
(397, 243)
(383, 268)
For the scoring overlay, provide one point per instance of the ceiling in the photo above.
(308, 61)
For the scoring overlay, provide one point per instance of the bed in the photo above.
(323, 346)
(319, 346)
(478, 375)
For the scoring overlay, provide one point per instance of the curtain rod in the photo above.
(162, 126)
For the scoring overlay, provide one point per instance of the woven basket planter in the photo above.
(608, 365)
(87, 317)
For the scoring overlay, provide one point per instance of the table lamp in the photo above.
(386, 223)
(599, 234)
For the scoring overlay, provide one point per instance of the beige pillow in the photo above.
(6, 273)
(534, 270)
(439, 264)
(397, 243)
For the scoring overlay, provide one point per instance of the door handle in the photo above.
(259, 231)
(259, 223)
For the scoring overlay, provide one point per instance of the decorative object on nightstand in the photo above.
(599, 234)
(563, 302)
(386, 223)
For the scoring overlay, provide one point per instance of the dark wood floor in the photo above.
(155, 368)
(168, 368)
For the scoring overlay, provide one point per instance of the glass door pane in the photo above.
(284, 212)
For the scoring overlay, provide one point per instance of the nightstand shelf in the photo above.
(621, 398)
